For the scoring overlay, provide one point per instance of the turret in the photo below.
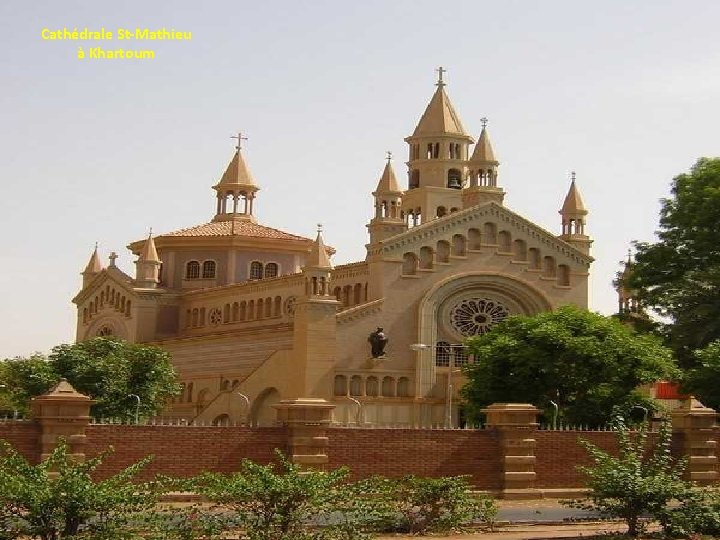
(573, 214)
(627, 297)
(92, 269)
(147, 267)
(317, 269)
(388, 220)
(483, 173)
(438, 151)
(236, 189)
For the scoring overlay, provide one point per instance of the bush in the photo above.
(58, 498)
(423, 505)
(286, 502)
(638, 481)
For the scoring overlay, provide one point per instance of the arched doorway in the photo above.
(262, 412)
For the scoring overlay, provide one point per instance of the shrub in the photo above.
(59, 499)
(638, 481)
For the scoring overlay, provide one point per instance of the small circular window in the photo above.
(215, 316)
(475, 316)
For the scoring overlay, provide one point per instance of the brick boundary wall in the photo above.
(422, 452)
(23, 435)
(183, 451)
(560, 452)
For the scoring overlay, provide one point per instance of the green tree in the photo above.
(635, 482)
(58, 498)
(109, 370)
(679, 275)
(590, 365)
(702, 380)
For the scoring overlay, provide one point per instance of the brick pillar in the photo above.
(516, 425)
(63, 412)
(307, 420)
(694, 424)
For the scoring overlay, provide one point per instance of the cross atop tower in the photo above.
(240, 139)
(112, 258)
(388, 156)
(319, 228)
(440, 71)
(572, 176)
(483, 122)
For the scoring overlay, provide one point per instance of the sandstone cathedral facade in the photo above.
(255, 317)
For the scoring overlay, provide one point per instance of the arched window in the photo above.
(340, 385)
(441, 211)
(403, 387)
(426, 257)
(371, 387)
(564, 275)
(454, 179)
(256, 270)
(458, 245)
(549, 268)
(271, 270)
(268, 307)
(201, 319)
(443, 252)
(519, 250)
(414, 179)
(356, 385)
(388, 387)
(260, 305)
(195, 317)
(243, 311)
(208, 270)
(490, 233)
(337, 292)
(235, 311)
(277, 308)
(410, 264)
(534, 256)
(192, 270)
(357, 294)
(504, 241)
(105, 331)
(474, 239)
(442, 354)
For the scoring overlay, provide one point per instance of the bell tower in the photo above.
(483, 173)
(388, 203)
(236, 189)
(573, 215)
(438, 152)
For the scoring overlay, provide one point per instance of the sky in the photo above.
(627, 94)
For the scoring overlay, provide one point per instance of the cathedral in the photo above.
(255, 317)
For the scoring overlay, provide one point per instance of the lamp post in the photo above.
(137, 407)
(358, 414)
(451, 371)
(247, 404)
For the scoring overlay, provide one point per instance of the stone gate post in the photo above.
(516, 424)
(307, 420)
(62, 412)
(694, 425)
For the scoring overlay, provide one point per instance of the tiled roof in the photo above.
(240, 228)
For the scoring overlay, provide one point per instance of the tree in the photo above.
(636, 482)
(590, 365)
(108, 370)
(679, 275)
(702, 380)
(58, 498)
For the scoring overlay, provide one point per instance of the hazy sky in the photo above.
(626, 93)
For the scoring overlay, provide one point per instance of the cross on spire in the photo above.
(572, 176)
(483, 122)
(440, 71)
(112, 258)
(319, 228)
(388, 156)
(240, 139)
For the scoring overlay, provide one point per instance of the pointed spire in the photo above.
(388, 182)
(149, 253)
(439, 116)
(93, 265)
(483, 149)
(573, 201)
(237, 173)
(318, 257)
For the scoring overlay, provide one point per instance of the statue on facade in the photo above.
(377, 341)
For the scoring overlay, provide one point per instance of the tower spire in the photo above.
(92, 268)
(573, 214)
(147, 267)
(388, 202)
(237, 188)
(483, 168)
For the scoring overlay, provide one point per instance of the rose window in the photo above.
(475, 316)
(215, 316)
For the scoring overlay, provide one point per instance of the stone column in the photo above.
(306, 420)
(63, 412)
(516, 425)
(694, 424)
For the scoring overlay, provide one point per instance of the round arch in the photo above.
(262, 412)
(103, 324)
(523, 298)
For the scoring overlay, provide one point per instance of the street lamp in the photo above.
(137, 407)
(358, 414)
(247, 404)
(451, 370)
